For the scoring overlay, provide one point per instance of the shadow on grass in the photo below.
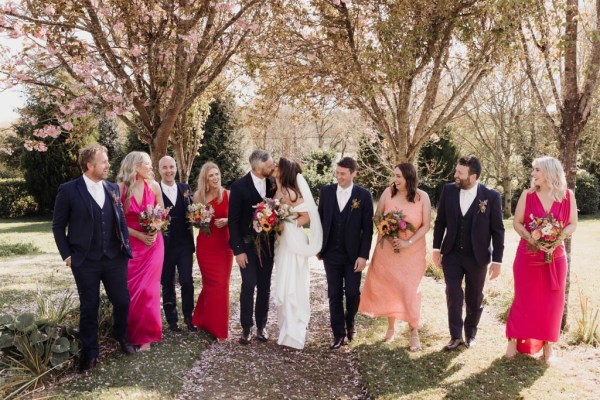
(503, 379)
(389, 371)
(25, 226)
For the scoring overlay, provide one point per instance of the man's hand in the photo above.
(241, 260)
(437, 258)
(494, 270)
(360, 264)
(68, 262)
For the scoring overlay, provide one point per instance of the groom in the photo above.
(91, 235)
(346, 211)
(255, 269)
(469, 217)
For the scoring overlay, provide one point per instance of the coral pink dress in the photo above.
(392, 287)
(215, 259)
(538, 306)
(144, 324)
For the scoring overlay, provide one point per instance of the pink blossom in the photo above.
(28, 144)
(33, 120)
(67, 126)
(119, 26)
(110, 114)
(49, 10)
(40, 133)
(402, 224)
(136, 51)
(52, 130)
(6, 150)
(41, 146)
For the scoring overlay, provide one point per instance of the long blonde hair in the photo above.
(128, 175)
(202, 184)
(554, 174)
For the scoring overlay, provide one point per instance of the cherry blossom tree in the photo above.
(407, 65)
(145, 62)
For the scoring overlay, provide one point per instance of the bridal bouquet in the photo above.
(268, 217)
(547, 233)
(200, 216)
(391, 224)
(155, 219)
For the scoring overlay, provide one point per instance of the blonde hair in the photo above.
(128, 175)
(554, 174)
(202, 184)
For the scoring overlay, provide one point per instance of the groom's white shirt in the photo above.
(343, 195)
(259, 184)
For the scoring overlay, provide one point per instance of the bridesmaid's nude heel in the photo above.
(511, 348)
(389, 335)
(549, 356)
(414, 342)
(145, 347)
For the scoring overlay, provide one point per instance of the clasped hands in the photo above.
(398, 243)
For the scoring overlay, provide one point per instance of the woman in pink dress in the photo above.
(140, 190)
(392, 287)
(214, 255)
(536, 313)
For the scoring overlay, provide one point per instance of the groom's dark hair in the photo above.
(473, 163)
(348, 162)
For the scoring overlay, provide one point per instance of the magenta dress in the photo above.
(536, 312)
(144, 324)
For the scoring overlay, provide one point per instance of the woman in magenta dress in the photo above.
(215, 258)
(392, 287)
(140, 190)
(536, 313)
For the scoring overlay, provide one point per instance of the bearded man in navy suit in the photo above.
(91, 235)
(469, 219)
(346, 212)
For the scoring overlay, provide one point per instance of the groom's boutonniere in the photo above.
(186, 195)
(482, 206)
(355, 204)
(115, 198)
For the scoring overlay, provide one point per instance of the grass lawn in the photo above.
(388, 371)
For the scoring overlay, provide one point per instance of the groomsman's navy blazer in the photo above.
(179, 237)
(359, 226)
(73, 210)
(488, 226)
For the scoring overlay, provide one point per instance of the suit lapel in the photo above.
(85, 195)
(353, 195)
(256, 197)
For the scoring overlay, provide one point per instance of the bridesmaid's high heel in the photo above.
(511, 348)
(144, 347)
(414, 342)
(549, 356)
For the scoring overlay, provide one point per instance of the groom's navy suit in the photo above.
(257, 274)
(347, 235)
(97, 240)
(466, 251)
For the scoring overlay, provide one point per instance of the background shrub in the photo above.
(587, 192)
(15, 200)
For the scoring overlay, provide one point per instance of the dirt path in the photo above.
(268, 371)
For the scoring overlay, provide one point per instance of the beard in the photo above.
(462, 183)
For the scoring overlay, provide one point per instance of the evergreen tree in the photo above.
(318, 170)
(220, 144)
(436, 164)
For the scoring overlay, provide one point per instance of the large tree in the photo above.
(407, 65)
(143, 61)
(565, 42)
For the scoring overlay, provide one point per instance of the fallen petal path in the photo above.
(268, 371)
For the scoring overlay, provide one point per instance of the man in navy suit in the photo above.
(179, 247)
(346, 212)
(91, 235)
(469, 218)
(256, 271)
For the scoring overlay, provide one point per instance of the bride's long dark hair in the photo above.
(288, 169)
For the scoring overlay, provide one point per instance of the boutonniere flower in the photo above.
(482, 206)
(355, 204)
(186, 194)
(115, 198)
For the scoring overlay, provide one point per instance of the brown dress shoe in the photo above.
(454, 343)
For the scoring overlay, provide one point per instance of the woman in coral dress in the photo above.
(535, 316)
(392, 287)
(215, 258)
(139, 190)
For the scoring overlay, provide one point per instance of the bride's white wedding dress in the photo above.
(292, 281)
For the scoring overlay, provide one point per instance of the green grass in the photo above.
(17, 249)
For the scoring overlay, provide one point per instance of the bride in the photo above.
(292, 249)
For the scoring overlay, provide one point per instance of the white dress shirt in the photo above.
(467, 197)
(260, 184)
(170, 192)
(96, 190)
(343, 195)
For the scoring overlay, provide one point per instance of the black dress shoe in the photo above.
(454, 343)
(246, 336)
(189, 325)
(174, 327)
(338, 342)
(87, 363)
(127, 347)
(262, 334)
(471, 342)
(350, 332)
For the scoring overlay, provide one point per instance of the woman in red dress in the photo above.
(215, 258)
(536, 313)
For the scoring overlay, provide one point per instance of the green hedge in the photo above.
(15, 201)
(587, 192)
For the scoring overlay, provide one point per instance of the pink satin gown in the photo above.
(144, 324)
(393, 283)
(538, 306)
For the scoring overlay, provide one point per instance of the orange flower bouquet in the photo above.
(391, 224)
(547, 233)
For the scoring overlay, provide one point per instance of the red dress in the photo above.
(538, 306)
(215, 259)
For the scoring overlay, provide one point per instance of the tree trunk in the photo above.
(507, 193)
